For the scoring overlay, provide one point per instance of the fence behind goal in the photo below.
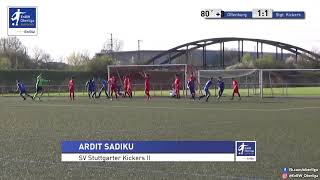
(267, 82)
(252, 82)
(161, 77)
(291, 82)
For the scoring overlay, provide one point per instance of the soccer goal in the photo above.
(267, 82)
(249, 80)
(291, 82)
(161, 77)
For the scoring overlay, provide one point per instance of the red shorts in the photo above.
(147, 89)
(236, 90)
(113, 88)
(71, 90)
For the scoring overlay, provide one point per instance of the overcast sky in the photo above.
(76, 25)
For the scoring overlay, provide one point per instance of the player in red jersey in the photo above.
(235, 88)
(177, 86)
(129, 87)
(146, 85)
(113, 87)
(71, 89)
(125, 86)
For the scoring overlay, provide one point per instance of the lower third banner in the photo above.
(157, 151)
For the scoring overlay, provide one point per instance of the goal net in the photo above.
(161, 77)
(248, 80)
(291, 82)
(267, 82)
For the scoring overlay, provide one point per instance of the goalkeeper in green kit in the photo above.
(39, 86)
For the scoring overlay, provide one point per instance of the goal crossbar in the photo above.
(184, 68)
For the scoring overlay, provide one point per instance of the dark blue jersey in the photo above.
(88, 84)
(104, 83)
(220, 84)
(208, 85)
(21, 87)
(91, 86)
(191, 84)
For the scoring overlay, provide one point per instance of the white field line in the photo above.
(170, 108)
(129, 170)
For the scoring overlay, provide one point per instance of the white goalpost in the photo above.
(161, 77)
(248, 80)
(268, 82)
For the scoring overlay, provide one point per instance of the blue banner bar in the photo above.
(237, 15)
(288, 15)
(148, 147)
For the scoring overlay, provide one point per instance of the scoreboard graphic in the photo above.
(254, 14)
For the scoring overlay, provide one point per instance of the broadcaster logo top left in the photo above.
(22, 21)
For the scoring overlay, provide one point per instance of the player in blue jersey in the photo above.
(104, 87)
(91, 88)
(206, 89)
(192, 86)
(88, 88)
(220, 85)
(22, 90)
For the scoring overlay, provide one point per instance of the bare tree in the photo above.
(40, 57)
(36, 55)
(11, 45)
(15, 51)
(78, 59)
(46, 58)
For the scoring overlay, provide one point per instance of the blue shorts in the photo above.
(23, 91)
(207, 92)
(192, 91)
(221, 89)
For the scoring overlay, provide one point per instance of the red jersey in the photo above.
(126, 82)
(147, 81)
(177, 83)
(129, 83)
(114, 81)
(71, 85)
(235, 84)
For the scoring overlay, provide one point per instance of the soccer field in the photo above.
(286, 131)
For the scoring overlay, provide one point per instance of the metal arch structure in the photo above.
(184, 49)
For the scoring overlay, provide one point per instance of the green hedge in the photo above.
(8, 77)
